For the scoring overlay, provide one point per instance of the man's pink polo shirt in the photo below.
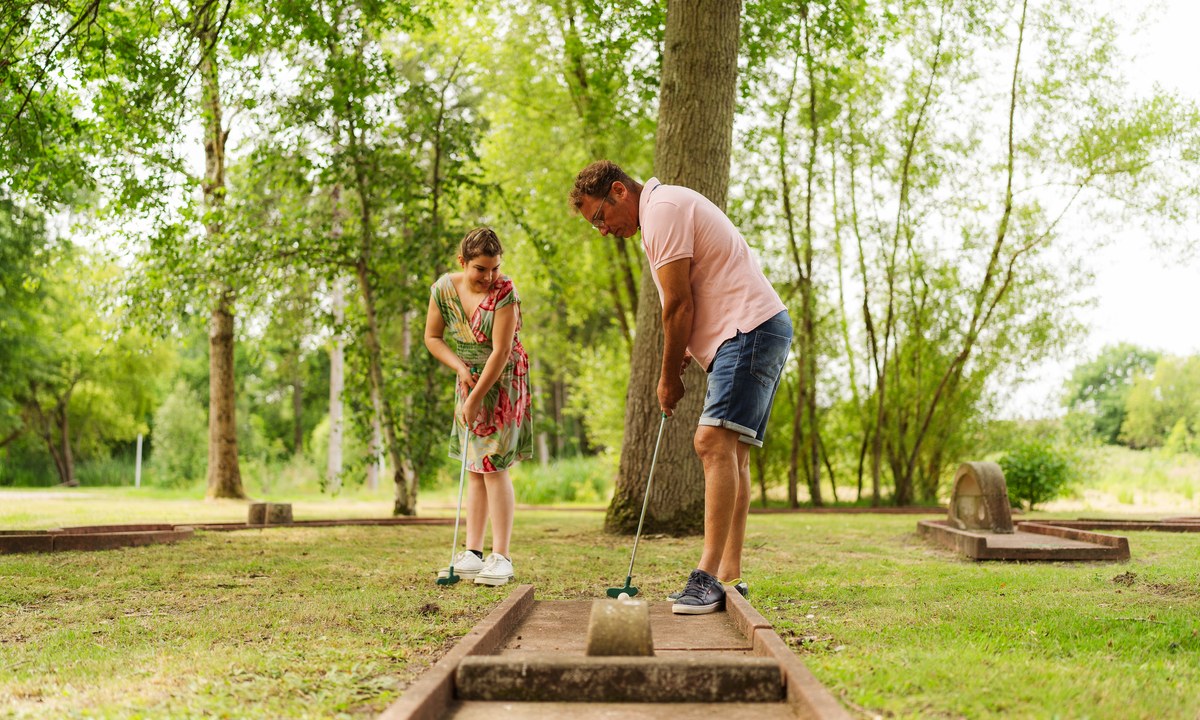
(729, 291)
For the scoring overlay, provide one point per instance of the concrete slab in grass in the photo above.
(1032, 541)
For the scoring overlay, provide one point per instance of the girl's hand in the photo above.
(687, 360)
(470, 410)
(466, 376)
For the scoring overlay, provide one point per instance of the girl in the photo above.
(481, 309)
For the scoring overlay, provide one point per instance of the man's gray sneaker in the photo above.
(739, 585)
(702, 594)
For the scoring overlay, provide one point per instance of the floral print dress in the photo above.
(502, 434)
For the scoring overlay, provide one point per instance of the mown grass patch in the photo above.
(335, 622)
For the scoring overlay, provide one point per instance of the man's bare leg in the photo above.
(731, 559)
(718, 451)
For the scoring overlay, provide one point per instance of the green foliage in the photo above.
(597, 396)
(1181, 439)
(1037, 471)
(1158, 402)
(180, 440)
(1101, 387)
(581, 480)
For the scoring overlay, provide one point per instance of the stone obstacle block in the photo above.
(569, 678)
(279, 513)
(980, 499)
(619, 628)
(269, 514)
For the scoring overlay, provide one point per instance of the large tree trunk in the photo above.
(224, 475)
(695, 137)
(67, 472)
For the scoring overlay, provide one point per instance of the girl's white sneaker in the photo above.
(466, 565)
(497, 570)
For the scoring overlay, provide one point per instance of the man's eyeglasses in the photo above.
(598, 217)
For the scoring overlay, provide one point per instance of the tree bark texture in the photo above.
(692, 148)
(224, 474)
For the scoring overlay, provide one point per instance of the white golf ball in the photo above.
(623, 596)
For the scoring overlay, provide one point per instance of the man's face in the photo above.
(615, 213)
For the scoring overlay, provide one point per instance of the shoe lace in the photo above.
(698, 585)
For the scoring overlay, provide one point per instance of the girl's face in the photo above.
(480, 271)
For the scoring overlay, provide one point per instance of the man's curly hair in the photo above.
(596, 181)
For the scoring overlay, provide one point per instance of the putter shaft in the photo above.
(646, 499)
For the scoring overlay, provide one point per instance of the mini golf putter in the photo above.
(629, 590)
(451, 578)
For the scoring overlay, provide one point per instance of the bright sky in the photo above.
(1144, 296)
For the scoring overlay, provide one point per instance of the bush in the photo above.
(179, 456)
(1037, 471)
(585, 480)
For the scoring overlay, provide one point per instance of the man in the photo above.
(719, 309)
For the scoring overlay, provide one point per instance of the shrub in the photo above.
(583, 480)
(1037, 471)
(179, 455)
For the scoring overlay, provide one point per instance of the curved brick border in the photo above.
(109, 537)
(100, 537)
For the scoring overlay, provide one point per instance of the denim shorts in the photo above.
(744, 377)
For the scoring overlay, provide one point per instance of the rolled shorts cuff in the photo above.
(747, 435)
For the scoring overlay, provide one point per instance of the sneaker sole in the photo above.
(494, 581)
(464, 574)
(675, 596)
(679, 609)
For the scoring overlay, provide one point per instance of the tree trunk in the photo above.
(537, 388)
(405, 501)
(224, 475)
(695, 137)
(808, 322)
(793, 473)
(297, 413)
(375, 446)
(337, 383)
(64, 437)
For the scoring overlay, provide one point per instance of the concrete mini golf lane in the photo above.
(527, 659)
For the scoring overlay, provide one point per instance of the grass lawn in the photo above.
(331, 622)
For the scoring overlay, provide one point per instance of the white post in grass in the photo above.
(137, 475)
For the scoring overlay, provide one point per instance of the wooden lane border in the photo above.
(805, 693)
(430, 696)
